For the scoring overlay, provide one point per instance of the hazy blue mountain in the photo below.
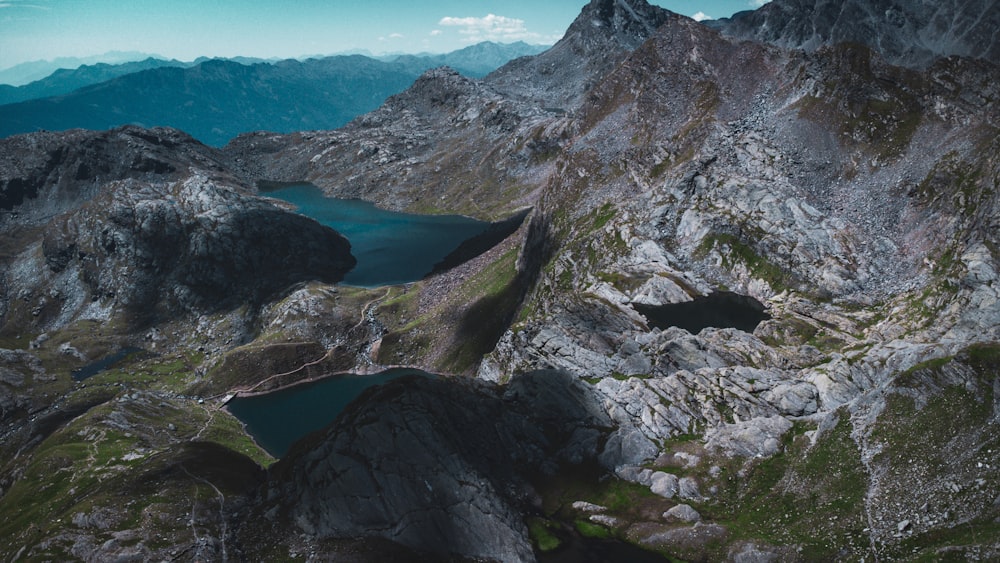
(24, 73)
(216, 100)
(64, 81)
(475, 60)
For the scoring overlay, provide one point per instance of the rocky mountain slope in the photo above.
(847, 205)
(596, 42)
(911, 33)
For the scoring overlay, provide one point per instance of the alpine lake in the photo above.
(391, 248)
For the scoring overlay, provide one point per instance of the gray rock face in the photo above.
(439, 465)
(387, 155)
(664, 484)
(682, 512)
(193, 244)
(600, 38)
(757, 437)
(47, 173)
(911, 33)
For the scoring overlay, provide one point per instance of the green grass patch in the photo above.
(480, 327)
(226, 430)
(541, 534)
(983, 356)
(591, 530)
(734, 251)
(807, 496)
(622, 282)
(601, 216)
(942, 437)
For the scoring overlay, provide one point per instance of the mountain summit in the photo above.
(911, 33)
(628, 22)
(598, 40)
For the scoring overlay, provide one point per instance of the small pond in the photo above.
(390, 247)
(721, 309)
(94, 368)
(277, 420)
(577, 548)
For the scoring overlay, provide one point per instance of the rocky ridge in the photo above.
(911, 34)
(597, 41)
(154, 221)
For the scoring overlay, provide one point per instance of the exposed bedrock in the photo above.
(442, 466)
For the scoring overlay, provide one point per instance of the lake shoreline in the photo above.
(360, 371)
(276, 420)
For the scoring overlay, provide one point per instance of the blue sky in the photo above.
(186, 29)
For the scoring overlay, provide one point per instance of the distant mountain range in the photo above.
(215, 100)
(25, 73)
(64, 81)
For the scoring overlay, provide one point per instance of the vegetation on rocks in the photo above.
(851, 202)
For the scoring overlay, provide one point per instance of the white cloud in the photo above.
(395, 36)
(758, 3)
(490, 25)
(22, 5)
(435, 33)
(495, 28)
(701, 16)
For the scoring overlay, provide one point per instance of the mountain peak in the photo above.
(630, 22)
(600, 38)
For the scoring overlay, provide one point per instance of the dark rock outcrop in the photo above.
(61, 170)
(193, 245)
(440, 466)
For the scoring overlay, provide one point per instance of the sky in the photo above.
(32, 30)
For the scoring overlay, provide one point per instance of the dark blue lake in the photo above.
(94, 368)
(276, 420)
(390, 247)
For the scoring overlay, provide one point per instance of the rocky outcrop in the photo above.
(439, 466)
(96, 223)
(597, 41)
(396, 155)
(906, 33)
(747, 145)
(42, 174)
(190, 245)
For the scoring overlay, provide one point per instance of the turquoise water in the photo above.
(390, 247)
(276, 420)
